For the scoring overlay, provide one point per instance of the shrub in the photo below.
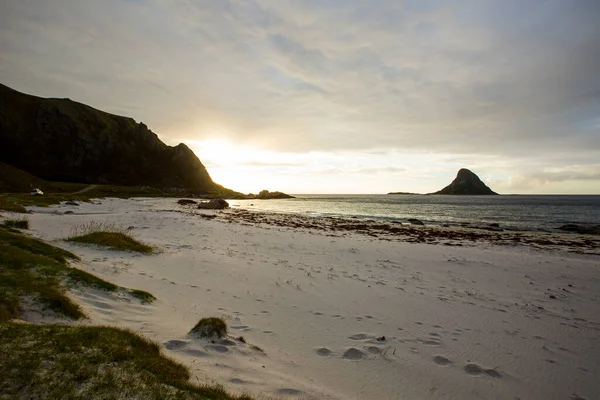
(210, 327)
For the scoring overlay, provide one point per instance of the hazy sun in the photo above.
(231, 165)
(220, 152)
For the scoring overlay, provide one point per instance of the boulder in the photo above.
(415, 221)
(185, 202)
(214, 204)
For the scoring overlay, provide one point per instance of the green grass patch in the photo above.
(68, 362)
(31, 268)
(210, 327)
(16, 223)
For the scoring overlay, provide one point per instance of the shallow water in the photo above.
(520, 212)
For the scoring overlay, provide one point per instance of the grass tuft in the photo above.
(210, 327)
(255, 347)
(21, 223)
(145, 297)
(108, 235)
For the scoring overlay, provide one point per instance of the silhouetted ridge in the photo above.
(62, 140)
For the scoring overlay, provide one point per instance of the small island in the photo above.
(266, 195)
(466, 183)
(405, 193)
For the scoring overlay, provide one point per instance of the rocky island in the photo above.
(466, 183)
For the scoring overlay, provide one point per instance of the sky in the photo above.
(333, 96)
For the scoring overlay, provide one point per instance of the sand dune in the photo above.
(347, 316)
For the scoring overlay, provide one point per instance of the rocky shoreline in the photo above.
(417, 233)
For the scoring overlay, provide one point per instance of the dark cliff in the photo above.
(466, 183)
(62, 140)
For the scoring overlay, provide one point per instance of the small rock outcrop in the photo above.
(581, 229)
(466, 183)
(214, 204)
(266, 195)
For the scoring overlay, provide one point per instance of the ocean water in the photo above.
(519, 212)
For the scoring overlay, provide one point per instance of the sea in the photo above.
(515, 212)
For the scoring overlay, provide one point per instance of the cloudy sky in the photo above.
(333, 96)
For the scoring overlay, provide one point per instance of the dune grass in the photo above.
(9, 204)
(67, 362)
(21, 223)
(30, 268)
(107, 234)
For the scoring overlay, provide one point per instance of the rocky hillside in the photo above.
(62, 140)
(466, 183)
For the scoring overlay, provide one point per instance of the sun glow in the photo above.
(241, 168)
(221, 153)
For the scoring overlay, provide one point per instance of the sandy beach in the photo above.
(332, 310)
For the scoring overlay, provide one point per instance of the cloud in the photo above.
(477, 80)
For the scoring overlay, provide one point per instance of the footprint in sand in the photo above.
(430, 342)
(240, 327)
(576, 397)
(474, 369)
(290, 392)
(195, 353)
(361, 336)
(175, 344)
(218, 348)
(354, 354)
(323, 351)
(238, 381)
(441, 360)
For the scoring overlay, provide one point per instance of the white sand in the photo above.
(459, 322)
